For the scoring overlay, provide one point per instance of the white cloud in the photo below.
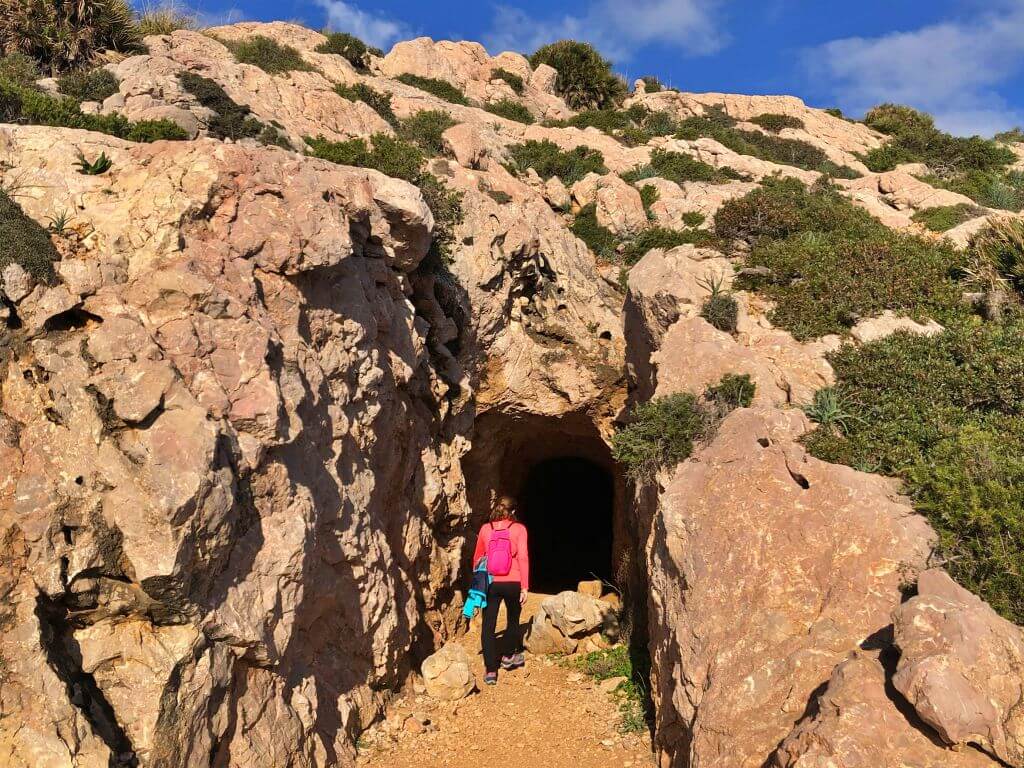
(952, 69)
(617, 28)
(369, 27)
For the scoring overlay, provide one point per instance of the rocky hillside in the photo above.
(279, 315)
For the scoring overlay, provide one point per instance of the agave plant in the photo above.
(67, 34)
(96, 167)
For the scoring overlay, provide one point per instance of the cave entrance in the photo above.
(567, 506)
(570, 491)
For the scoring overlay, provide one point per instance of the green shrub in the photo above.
(946, 414)
(19, 69)
(659, 237)
(88, 85)
(823, 282)
(10, 103)
(782, 206)
(733, 391)
(501, 198)
(720, 308)
(148, 131)
(633, 127)
(379, 102)
(648, 197)
(165, 18)
(349, 47)
(230, 120)
(680, 168)
(61, 36)
(835, 112)
(510, 110)
(440, 88)
(548, 159)
(992, 189)
(1000, 245)
(914, 138)
(585, 79)
(652, 84)
(24, 242)
(660, 434)
(693, 218)
(446, 206)
(391, 156)
(774, 122)
(1012, 136)
(515, 82)
(830, 411)
(269, 55)
(717, 125)
(946, 217)
(425, 129)
(599, 239)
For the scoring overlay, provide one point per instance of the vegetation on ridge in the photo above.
(24, 242)
(585, 78)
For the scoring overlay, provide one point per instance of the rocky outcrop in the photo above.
(961, 666)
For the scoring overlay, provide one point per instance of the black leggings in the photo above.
(508, 591)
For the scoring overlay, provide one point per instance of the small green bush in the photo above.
(659, 237)
(148, 131)
(835, 112)
(1012, 136)
(446, 206)
(945, 217)
(88, 85)
(10, 103)
(693, 218)
(660, 434)
(635, 708)
(720, 308)
(24, 242)
(501, 198)
(440, 88)
(652, 84)
(515, 82)
(648, 197)
(946, 414)
(733, 391)
(680, 168)
(782, 206)
(379, 102)
(633, 127)
(774, 122)
(585, 79)
(425, 130)
(992, 189)
(391, 156)
(830, 411)
(19, 69)
(349, 47)
(510, 110)
(599, 239)
(548, 159)
(269, 55)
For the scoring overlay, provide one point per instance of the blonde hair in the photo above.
(504, 509)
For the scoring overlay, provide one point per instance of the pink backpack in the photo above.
(499, 552)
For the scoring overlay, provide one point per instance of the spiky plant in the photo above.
(96, 167)
(831, 410)
(165, 17)
(59, 222)
(67, 34)
(999, 249)
(720, 309)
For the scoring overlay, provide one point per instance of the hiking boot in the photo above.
(515, 661)
(491, 678)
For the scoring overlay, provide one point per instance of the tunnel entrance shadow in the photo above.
(567, 506)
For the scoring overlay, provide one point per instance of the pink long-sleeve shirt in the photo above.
(520, 570)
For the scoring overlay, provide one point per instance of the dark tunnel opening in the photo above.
(567, 504)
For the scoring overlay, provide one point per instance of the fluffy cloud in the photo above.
(373, 29)
(952, 69)
(617, 28)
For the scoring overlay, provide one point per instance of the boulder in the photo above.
(961, 666)
(447, 675)
(566, 620)
(592, 588)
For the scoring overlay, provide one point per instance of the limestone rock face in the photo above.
(447, 674)
(962, 667)
(223, 471)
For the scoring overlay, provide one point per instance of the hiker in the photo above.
(502, 541)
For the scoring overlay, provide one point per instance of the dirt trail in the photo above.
(543, 716)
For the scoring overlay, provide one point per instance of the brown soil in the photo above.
(545, 715)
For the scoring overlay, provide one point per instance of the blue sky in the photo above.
(961, 60)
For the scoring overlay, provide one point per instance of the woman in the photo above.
(503, 541)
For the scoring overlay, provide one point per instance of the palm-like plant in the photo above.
(67, 34)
